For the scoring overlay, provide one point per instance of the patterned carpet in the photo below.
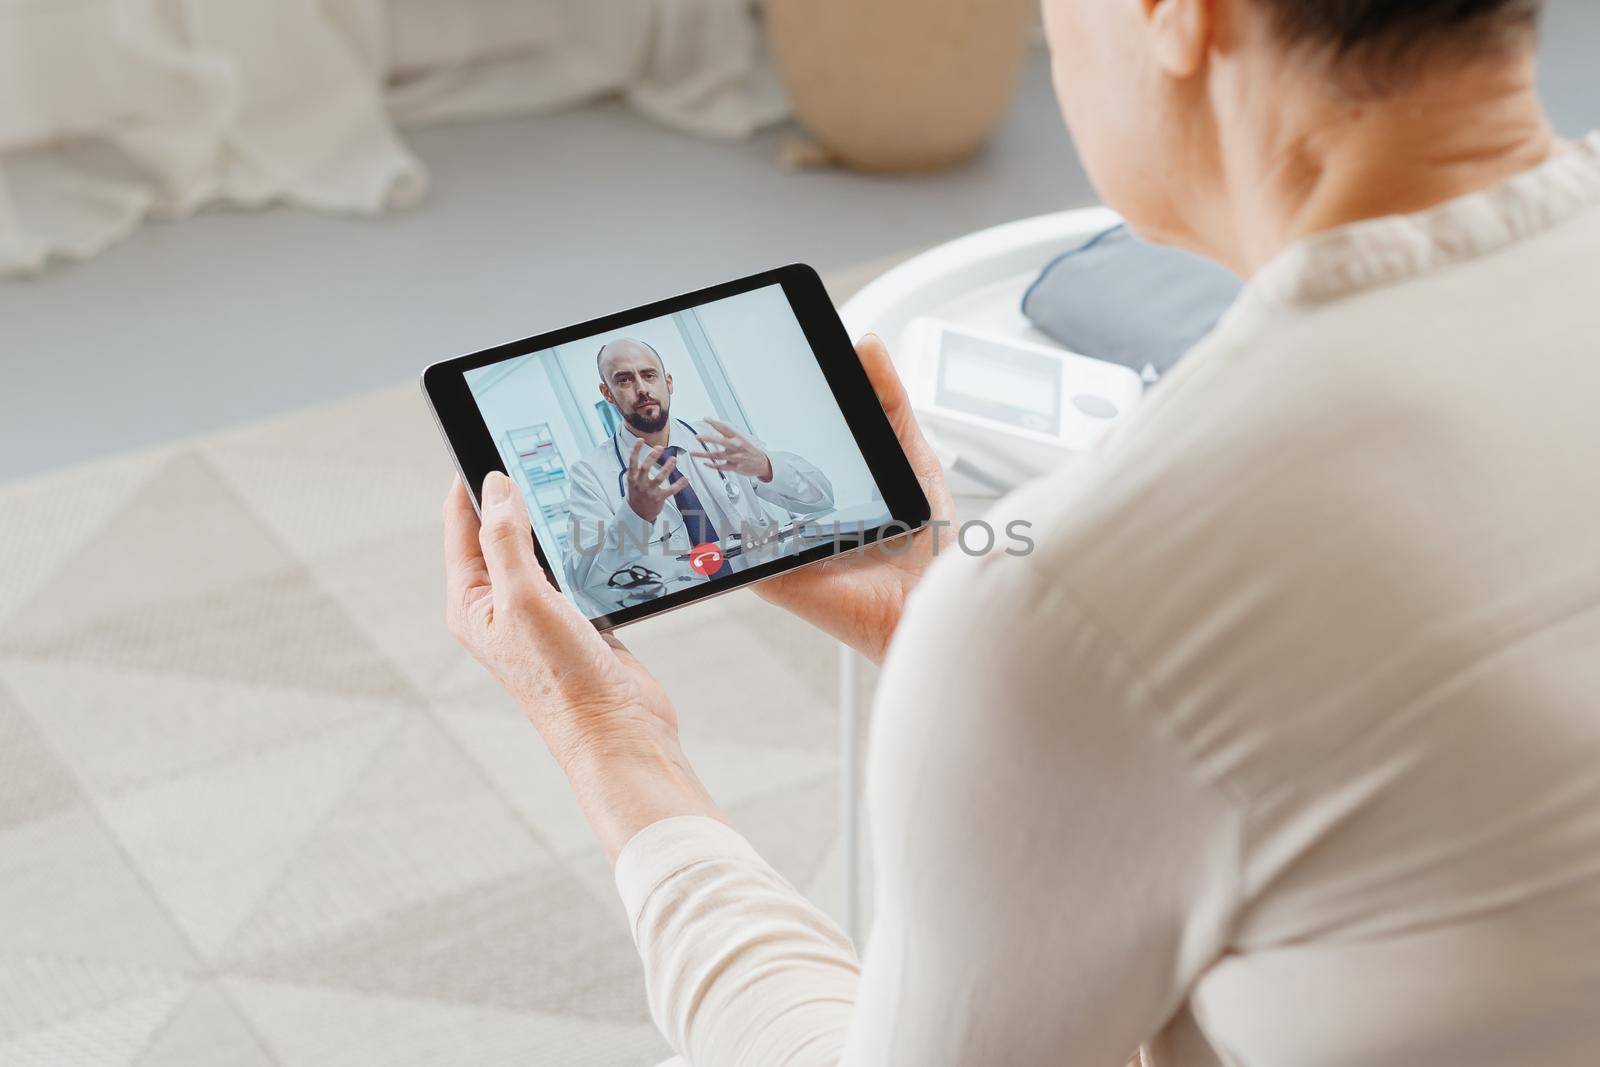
(257, 808)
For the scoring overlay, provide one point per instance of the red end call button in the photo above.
(706, 559)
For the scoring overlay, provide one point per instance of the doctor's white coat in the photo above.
(798, 488)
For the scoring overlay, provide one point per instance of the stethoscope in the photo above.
(729, 488)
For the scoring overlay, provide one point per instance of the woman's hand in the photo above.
(604, 718)
(858, 597)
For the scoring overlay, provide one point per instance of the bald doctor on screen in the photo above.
(671, 485)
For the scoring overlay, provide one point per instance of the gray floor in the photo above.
(531, 224)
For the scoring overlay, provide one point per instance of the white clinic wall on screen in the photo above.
(520, 398)
(790, 407)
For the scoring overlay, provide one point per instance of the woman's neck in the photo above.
(1326, 163)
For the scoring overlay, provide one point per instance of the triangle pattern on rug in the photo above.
(205, 1031)
(38, 991)
(396, 417)
(531, 941)
(752, 694)
(812, 657)
(34, 783)
(67, 889)
(396, 588)
(113, 1034)
(737, 771)
(312, 1027)
(420, 823)
(324, 506)
(793, 829)
(64, 509)
(182, 533)
(515, 759)
(120, 728)
(185, 579)
(212, 842)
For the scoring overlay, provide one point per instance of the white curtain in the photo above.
(113, 111)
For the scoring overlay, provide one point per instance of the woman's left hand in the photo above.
(604, 718)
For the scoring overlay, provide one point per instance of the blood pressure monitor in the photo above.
(1016, 407)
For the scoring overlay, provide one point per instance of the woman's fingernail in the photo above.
(496, 488)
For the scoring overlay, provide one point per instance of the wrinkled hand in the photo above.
(859, 597)
(649, 486)
(731, 451)
(577, 686)
(605, 719)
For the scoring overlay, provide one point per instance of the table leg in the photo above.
(850, 789)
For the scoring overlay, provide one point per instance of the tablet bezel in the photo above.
(444, 384)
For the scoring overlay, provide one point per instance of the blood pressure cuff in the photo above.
(1118, 299)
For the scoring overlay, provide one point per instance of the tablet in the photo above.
(685, 448)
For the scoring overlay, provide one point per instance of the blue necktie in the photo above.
(701, 529)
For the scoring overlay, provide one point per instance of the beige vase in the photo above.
(900, 84)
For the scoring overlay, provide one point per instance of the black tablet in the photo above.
(685, 448)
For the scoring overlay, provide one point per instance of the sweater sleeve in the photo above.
(1052, 876)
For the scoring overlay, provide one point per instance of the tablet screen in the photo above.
(763, 462)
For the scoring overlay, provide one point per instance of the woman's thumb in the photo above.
(507, 541)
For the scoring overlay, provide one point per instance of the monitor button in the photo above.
(1096, 407)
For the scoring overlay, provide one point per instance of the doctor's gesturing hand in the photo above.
(734, 452)
(604, 718)
(649, 486)
(858, 598)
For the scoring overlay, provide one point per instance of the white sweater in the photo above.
(1283, 747)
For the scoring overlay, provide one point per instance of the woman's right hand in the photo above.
(858, 597)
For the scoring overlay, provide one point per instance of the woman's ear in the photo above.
(1181, 32)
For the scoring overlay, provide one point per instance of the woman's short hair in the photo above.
(1388, 36)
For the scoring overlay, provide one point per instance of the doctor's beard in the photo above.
(642, 425)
